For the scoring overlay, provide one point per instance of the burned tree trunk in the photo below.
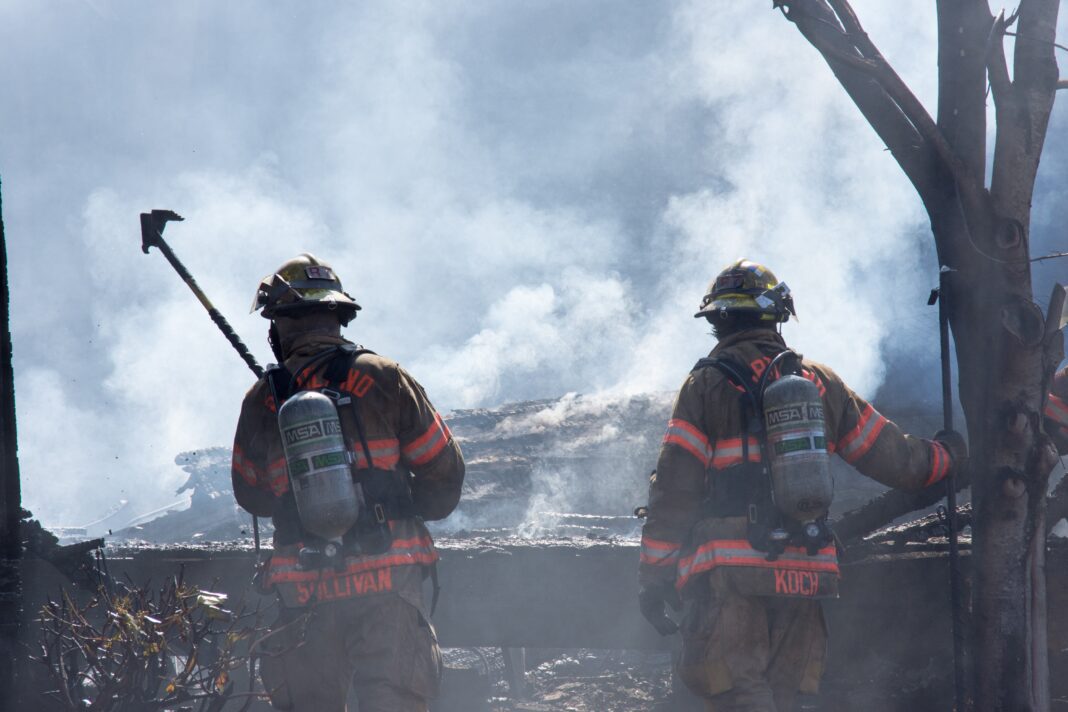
(1006, 348)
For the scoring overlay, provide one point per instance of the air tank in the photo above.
(328, 501)
(797, 448)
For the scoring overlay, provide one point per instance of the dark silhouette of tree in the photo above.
(1007, 346)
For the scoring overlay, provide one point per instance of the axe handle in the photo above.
(219, 319)
(955, 588)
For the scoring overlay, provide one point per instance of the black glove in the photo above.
(955, 445)
(651, 600)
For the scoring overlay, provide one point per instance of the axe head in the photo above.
(152, 225)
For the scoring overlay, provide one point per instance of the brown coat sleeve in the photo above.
(1056, 412)
(874, 444)
(257, 483)
(429, 451)
(677, 488)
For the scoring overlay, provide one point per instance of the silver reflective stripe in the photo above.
(698, 444)
(857, 443)
(426, 447)
(658, 556)
(735, 451)
(711, 555)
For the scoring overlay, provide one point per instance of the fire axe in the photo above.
(152, 225)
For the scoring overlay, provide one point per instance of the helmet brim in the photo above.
(314, 300)
(729, 302)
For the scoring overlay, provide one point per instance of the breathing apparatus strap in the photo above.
(398, 505)
(387, 495)
(749, 491)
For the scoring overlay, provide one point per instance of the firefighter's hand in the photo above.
(652, 599)
(955, 445)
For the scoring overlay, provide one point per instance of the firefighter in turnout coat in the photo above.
(753, 631)
(352, 611)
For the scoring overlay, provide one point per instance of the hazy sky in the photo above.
(528, 198)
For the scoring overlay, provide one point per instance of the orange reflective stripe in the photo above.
(278, 476)
(689, 438)
(814, 377)
(738, 552)
(729, 452)
(940, 462)
(1057, 410)
(659, 553)
(245, 468)
(404, 552)
(427, 446)
(385, 454)
(859, 440)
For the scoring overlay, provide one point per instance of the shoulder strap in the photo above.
(749, 401)
(337, 370)
(280, 381)
(735, 374)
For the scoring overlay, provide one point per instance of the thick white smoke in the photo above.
(528, 200)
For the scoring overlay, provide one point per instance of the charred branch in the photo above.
(887, 507)
(131, 649)
(865, 76)
(963, 35)
(917, 142)
(1022, 120)
(996, 62)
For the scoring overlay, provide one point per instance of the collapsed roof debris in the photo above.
(576, 465)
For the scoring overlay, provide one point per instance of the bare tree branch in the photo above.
(1022, 125)
(996, 62)
(853, 28)
(963, 33)
(819, 25)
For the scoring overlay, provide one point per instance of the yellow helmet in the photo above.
(303, 284)
(748, 287)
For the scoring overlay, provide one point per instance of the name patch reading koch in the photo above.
(795, 413)
(312, 431)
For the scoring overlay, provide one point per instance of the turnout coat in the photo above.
(404, 435)
(681, 540)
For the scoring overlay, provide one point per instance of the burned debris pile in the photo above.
(538, 562)
(571, 466)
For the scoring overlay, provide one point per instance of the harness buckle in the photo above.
(380, 513)
(336, 396)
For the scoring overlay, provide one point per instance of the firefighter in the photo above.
(1056, 411)
(753, 631)
(352, 608)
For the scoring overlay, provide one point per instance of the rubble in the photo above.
(576, 465)
(540, 559)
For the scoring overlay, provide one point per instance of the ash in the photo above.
(581, 680)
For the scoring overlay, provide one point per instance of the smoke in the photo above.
(528, 200)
